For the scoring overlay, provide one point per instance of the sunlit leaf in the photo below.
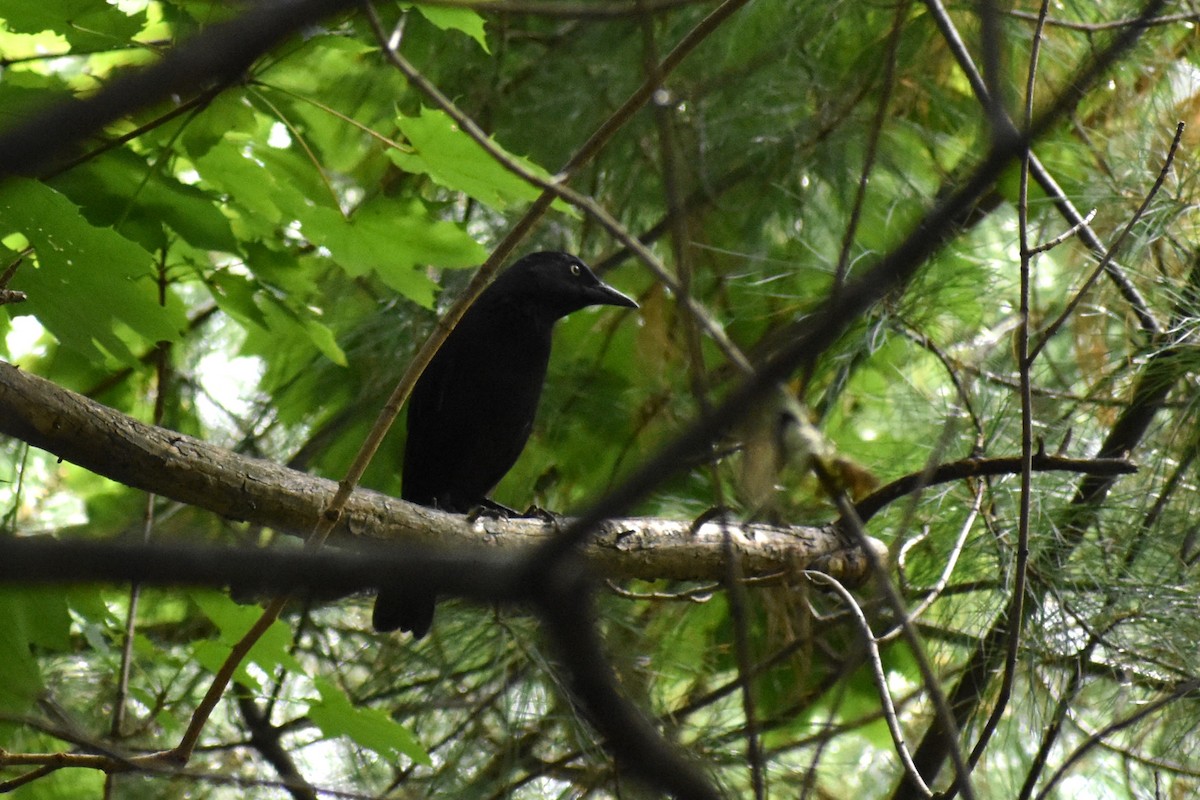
(394, 241)
(367, 727)
(449, 18)
(233, 621)
(92, 288)
(455, 160)
(84, 23)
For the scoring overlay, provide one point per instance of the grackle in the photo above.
(472, 410)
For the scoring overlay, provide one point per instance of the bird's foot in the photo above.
(545, 515)
(716, 513)
(490, 509)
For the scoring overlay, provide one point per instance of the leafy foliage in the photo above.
(256, 265)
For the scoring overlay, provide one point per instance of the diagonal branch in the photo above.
(1039, 172)
(217, 55)
(808, 338)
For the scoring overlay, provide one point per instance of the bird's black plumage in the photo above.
(472, 410)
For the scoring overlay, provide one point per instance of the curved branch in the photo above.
(873, 503)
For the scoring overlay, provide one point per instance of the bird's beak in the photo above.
(605, 295)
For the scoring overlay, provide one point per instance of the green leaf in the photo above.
(236, 295)
(212, 655)
(367, 727)
(283, 270)
(248, 304)
(454, 160)
(330, 61)
(232, 620)
(226, 112)
(323, 339)
(464, 20)
(43, 615)
(251, 186)
(92, 288)
(88, 603)
(392, 239)
(289, 322)
(122, 190)
(24, 93)
(23, 624)
(86, 24)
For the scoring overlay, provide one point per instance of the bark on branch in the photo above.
(109, 443)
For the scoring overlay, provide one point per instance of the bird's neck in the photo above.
(526, 313)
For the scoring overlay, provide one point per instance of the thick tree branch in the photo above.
(807, 338)
(191, 471)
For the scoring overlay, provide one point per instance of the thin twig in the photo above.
(939, 586)
(1150, 390)
(564, 9)
(13, 784)
(153, 46)
(1043, 177)
(1113, 24)
(12, 268)
(937, 695)
(699, 595)
(1075, 682)
(873, 503)
(1180, 691)
(679, 239)
(556, 188)
(122, 690)
(877, 671)
(952, 368)
(1049, 331)
(1024, 362)
(565, 601)
(116, 729)
(1050, 244)
(52, 761)
(684, 297)
(182, 752)
(212, 58)
(887, 83)
(807, 338)
(300, 139)
(737, 598)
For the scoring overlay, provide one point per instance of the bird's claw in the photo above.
(722, 513)
(490, 509)
(545, 515)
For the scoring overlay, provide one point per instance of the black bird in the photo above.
(472, 410)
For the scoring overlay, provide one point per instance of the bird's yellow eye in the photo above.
(575, 270)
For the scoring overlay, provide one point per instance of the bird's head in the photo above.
(557, 284)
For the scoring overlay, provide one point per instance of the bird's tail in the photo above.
(403, 608)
